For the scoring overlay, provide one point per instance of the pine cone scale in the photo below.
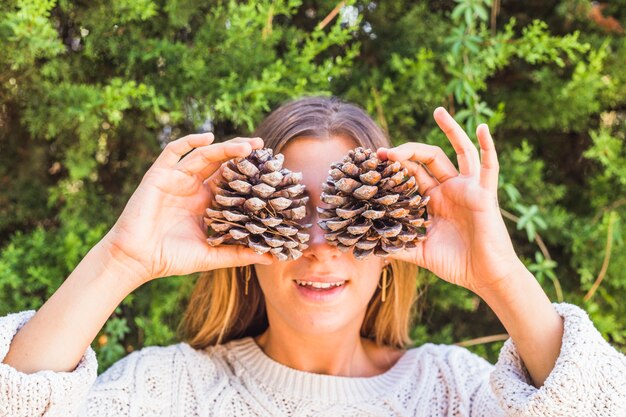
(365, 192)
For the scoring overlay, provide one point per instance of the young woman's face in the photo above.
(325, 290)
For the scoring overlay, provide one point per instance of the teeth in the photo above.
(322, 285)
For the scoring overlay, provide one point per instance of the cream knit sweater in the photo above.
(238, 379)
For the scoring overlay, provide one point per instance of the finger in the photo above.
(413, 255)
(214, 179)
(489, 167)
(418, 254)
(212, 156)
(425, 180)
(431, 156)
(208, 169)
(207, 159)
(174, 150)
(226, 256)
(466, 152)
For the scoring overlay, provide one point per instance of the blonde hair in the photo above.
(220, 311)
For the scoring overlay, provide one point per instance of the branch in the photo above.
(484, 339)
(380, 112)
(607, 258)
(331, 15)
(267, 29)
(610, 207)
(495, 10)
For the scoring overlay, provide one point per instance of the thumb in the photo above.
(226, 256)
(414, 255)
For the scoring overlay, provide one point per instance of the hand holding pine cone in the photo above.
(468, 243)
(160, 232)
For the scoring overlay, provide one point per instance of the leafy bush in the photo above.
(90, 92)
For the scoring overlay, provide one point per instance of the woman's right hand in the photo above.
(161, 231)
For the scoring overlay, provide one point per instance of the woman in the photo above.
(283, 349)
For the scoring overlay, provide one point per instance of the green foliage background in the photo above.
(91, 91)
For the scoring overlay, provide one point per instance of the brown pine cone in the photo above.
(375, 206)
(258, 204)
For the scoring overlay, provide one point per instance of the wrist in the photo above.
(509, 285)
(117, 266)
(517, 299)
(530, 319)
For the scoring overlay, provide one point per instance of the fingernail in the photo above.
(441, 109)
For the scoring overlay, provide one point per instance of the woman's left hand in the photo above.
(467, 242)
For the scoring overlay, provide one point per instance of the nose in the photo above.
(319, 249)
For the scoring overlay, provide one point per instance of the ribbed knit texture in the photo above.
(238, 379)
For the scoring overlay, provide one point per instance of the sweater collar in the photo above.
(256, 365)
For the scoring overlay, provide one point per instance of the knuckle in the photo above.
(183, 139)
(206, 157)
(492, 166)
(176, 142)
(240, 255)
(448, 130)
(438, 152)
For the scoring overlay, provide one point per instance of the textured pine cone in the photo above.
(375, 206)
(258, 204)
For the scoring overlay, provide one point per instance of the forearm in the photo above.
(531, 320)
(59, 333)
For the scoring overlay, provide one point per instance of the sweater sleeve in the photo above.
(588, 378)
(139, 384)
(43, 393)
(154, 381)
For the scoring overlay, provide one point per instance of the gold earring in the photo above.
(386, 281)
(247, 274)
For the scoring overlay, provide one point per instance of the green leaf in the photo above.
(481, 12)
(469, 18)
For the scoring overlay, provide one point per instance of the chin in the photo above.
(320, 321)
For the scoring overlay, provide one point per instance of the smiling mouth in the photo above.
(320, 285)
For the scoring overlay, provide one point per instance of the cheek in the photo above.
(372, 273)
(367, 276)
(267, 273)
(271, 278)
